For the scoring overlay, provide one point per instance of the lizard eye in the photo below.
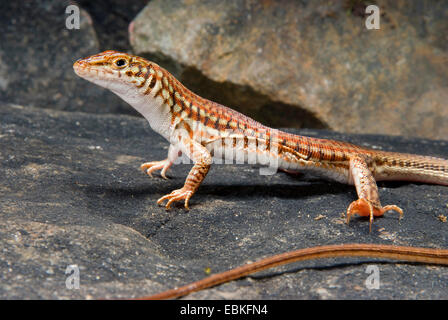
(120, 63)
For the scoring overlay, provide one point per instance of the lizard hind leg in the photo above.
(368, 203)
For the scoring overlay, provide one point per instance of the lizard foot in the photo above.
(150, 167)
(365, 208)
(177, 195)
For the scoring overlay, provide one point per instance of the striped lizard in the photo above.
(201, 129)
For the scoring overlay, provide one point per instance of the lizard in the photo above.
(201, 129)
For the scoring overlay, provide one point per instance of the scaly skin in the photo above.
(202, 129)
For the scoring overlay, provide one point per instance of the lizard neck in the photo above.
(165, 102)
(153, 109)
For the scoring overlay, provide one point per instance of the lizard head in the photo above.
(117, 71)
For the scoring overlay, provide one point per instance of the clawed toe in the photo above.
(150, 167)
(392, 207)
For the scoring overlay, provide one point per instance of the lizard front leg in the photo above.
(202, 161)
(150, 167)
(368, 203)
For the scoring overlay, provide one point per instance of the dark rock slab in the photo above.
(71, 192)
(36, 56)
(309, 63)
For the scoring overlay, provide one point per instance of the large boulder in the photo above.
(308, 63)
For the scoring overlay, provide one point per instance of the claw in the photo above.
(163, 172)
(365, 208)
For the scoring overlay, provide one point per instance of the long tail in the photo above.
(411, 167)
(411, 254)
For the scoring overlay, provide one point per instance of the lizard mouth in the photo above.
(86, 70)
(96, 72)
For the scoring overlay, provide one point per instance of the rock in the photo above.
(37, 55)
(308, 63)
(111, 19)
(72, 193)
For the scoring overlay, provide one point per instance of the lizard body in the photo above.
(205, 130)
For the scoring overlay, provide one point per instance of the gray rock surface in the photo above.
(309, 63)
(36, 56)
(71, 192)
